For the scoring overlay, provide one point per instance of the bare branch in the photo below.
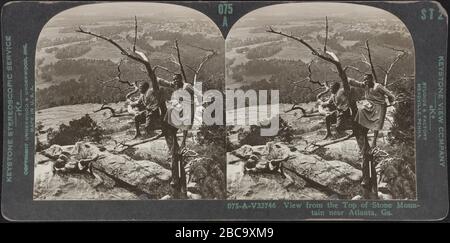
(135, 33)
(304, 113)
(104, 107)
(313, 51)
(333, 55)
(196, 71)
(179, 61)
(319, 145)
(163, 68)
(201, 48)
(327, 89)
(113, 87)
(326, 35)
(329, 57)
(200, 66)
(191, 68)
(404, 78)
(141, 58)
(117, 78)
(134, 91)
(381, 68)
(302, 87)
(173, 60)
(364, 60)
(128, 145)
(142, 55)
(311, 80)
(113, 112)
(122, 50)
(119, 75)
(394, 49)
(372, 67)
(399, 56)
(353, 68)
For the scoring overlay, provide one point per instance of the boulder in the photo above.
(155, 151)
(335, 175)
(166, 197)
(270, 151)
(245, 151)
(40, 159)
(77, 186)
(193, 187)
(266, 186)
(330, 176)
(345, 151)
(143, 175)
(206, 177)
(193, 196)
(384, 196)
(383, 187)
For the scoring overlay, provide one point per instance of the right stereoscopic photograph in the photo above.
(341, 122)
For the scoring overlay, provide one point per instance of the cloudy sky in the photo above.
(308, 10)
(127, 9)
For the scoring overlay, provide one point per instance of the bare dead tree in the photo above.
(163, 68)
(401, 54)
(401, 79)
(122, 146)
(304, 113)
(118, 79)
(314, 146)
(369, 61)
(358, 131)
(118, 76)
(349, 67)
(210, 53)
(322, 85)
(104, 107)
(168, 131)
(326, 35)
(180, 63)
(134, 91)
(135, 33)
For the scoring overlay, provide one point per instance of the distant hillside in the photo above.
(73, 68)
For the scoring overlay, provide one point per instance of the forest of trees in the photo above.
(90, 88)
(283, 74)
(232, 43)
(46, 42)
(264, 51)
(72, 51)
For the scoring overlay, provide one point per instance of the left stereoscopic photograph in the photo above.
(105, 78)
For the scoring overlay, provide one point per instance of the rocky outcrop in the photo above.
(139, 176)
(345, 151)
(304, 177)
(333, 175)
(266, 186)
(205, 179)
(77, 186)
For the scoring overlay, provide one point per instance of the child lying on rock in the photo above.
(269, 161)
(67, 164)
